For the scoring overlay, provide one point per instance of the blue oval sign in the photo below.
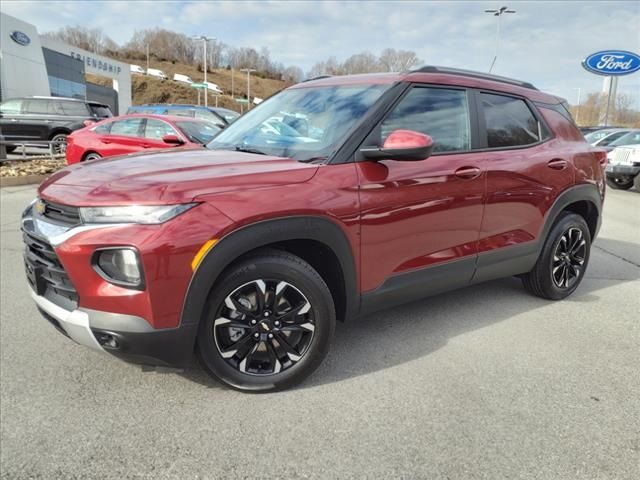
(612, 62)
(20, 38)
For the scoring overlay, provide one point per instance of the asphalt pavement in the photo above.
(486, 382)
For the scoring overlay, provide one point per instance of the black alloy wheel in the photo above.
(264, 327)
(568, 258)
(267, 324)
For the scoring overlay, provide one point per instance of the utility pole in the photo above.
(205, 39)
(497, 13)
(248, 70)
(147, 57)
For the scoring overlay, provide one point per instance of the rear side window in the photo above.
(509, 121)
(41, 107)
(101, 111)
(104, 128)
(130, 127)
(441, 113)
(11, 107)
(74, 109)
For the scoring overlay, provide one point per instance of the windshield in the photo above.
(301, 123)
(198, 132)
(631, 138)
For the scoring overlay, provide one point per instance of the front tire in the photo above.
(91, 156)
(267, 324)
(620, 183)
(563, 260)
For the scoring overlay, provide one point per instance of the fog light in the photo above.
(120, 266)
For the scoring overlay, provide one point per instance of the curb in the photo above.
(24, 180)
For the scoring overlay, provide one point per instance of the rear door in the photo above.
(125, 136)
(420, 219)
(38, 118)
(526, 170)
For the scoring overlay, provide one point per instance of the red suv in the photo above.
(336, 197)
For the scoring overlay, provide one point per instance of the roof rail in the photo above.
(473, 74)
(319, 77)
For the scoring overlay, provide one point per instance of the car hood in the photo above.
(169, 177)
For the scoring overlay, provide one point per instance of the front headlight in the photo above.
(145, 214)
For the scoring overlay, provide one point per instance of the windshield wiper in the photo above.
(240, 148)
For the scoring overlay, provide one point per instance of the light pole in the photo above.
(498, 13)
(248, 70)
(205, 39)
(578, 105)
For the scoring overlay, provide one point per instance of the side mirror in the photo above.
(172, 140)
(404, 145)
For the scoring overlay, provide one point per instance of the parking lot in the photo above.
(486, 382)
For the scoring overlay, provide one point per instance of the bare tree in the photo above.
(398, 60)
(293, 74)
(364, 62)
(92, 39)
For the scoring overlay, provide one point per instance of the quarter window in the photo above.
(75, 109)
(509, 121)
(441, 113)
(127, 128)
(155, 129)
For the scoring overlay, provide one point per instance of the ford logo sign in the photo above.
(20, 38)
(612, 62)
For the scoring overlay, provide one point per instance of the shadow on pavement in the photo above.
(402, 334)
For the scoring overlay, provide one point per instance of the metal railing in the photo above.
(49, 145)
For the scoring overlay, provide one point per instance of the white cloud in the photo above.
(544, 42)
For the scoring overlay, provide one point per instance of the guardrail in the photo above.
(24, 145)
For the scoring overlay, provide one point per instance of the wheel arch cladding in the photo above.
(584, 200)
(283, 233)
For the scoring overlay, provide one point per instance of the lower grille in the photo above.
(45, 273)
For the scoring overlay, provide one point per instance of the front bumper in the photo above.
(127, 337)
(614, 170)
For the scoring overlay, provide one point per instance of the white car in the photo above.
(178, 77)
(136, 69)
(623, 168)
(604, 137)
(154, 72)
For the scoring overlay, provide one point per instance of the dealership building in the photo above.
(31, 64)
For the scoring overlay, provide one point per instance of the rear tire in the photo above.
(563, 261)
(267, 324)
(59, 143)
(620, 183)
(91, 156)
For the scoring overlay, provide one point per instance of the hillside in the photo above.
(145, 89)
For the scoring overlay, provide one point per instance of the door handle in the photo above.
(145, 145)
(467, 173)
(557, 164)
(14, 119)
(106, 141)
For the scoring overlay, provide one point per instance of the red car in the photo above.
(336, 197)
(135, 133)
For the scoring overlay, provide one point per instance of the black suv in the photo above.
(36, 120)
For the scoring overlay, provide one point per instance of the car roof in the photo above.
(439, 76)
(161, 105)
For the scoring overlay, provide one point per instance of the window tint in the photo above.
(11, 106)
(182, 112)
(101, 111)
(128, 128)
(74, 109)
(199, 132)
(156, 129)
(104, 128)
(440, 113)
(509, 121)
(40, 107)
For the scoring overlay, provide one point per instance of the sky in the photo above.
(544, 42)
